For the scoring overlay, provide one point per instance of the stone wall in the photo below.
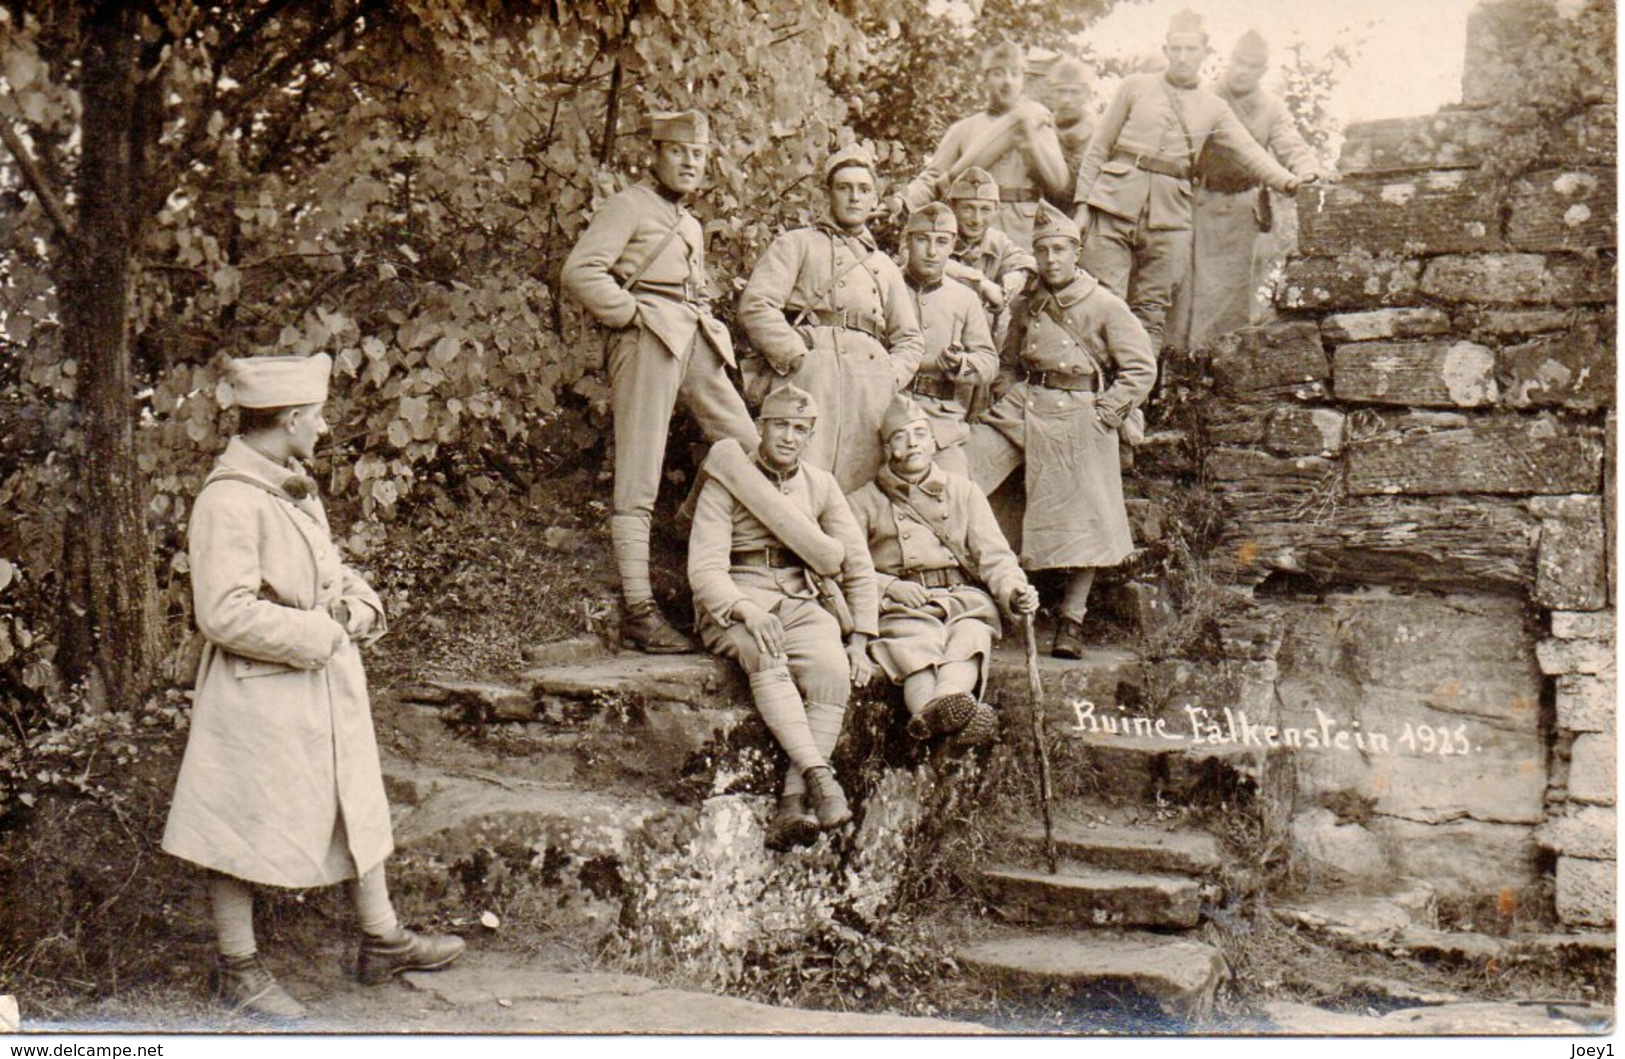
(1425, 440)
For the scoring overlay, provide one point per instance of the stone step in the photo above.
(1142, 849)
(1176, 974)
(1092, 897)
(1178, 771)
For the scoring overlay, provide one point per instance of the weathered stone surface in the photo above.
(699, 680)
(1517, 278)
(1252, 471)
(481, 702)
(1366, 917)
(1439, 212)
(1334, 854)
(1448, 139)
(1581, 831)
(1131, 849)
(1092, 897)
(1429, 374)
(1591, 769)
(1471, 1019)
(1180, 975)
(1563, 209)
(1516, 323)
(1558, 657)
(565, 652)
(1462, 857)
(1585, 703)
(1585, 891)
(1590, 137)
(1452, 946)
(1293, 430)
(1449, 543)
(1574, 369)
(1510, 455)
(1379, 324)
(1570, 45)
(470, 983)
(1274, 359)
(1392, 990)
(1571, 567)
(1237, 423)
(1356, 280)
(1583, 624)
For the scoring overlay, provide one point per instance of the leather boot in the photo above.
(943, 715)
(383, 958)
(645, 628)
(982, 729)
(1068, 639)
(828, 799)
(243, 984)
(792, 825)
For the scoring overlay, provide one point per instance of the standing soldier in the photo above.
(770, 533)
(827, 311)
(985, 259)
(959, 350)
(942, 569)
(639, 268)
(1134, 187)
(1231, 210)
(1014, 139)
(1062, 415)
(1074, 128)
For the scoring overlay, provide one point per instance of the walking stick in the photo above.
(1035, 710)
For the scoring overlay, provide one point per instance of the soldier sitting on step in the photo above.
(780, 573)
(935, 545)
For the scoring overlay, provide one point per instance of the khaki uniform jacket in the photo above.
(994, 257)
(670, 295)
(1270, 122)
(1011, 171)
(1141, 119)
(281, 742)
(723, 525)
(951, 318)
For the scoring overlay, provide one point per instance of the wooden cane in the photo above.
(1035, 710)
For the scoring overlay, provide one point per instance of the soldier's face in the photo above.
(852, 196)
(1243, 75)
(928, 255)
(974, 216)
(909, 450)
(1185, 53)
(1069, 102)
(1057, 260)
(1004, 84)
(680, 166)
(305, 425)
(784, 440)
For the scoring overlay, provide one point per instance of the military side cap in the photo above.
(789, 402)
(1252, 46)
(280, 382)
(932, 217)
(850, 155)
(1005, 53)
(1049, 221)
(1187, 21)
(974, 183)
(679, 126)
(1069, 73)
(902, 411)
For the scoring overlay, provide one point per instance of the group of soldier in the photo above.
(847, 526)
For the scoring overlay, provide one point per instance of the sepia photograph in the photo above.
(918, 520)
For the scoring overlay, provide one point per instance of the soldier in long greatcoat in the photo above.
(280, 784)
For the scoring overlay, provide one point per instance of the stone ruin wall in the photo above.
(1416, 466)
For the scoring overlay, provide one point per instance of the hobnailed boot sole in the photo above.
(943, 715)
(982, 729)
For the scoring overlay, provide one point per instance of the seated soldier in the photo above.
(770, 535)
(985, 259)
(935, 545)
(1076, 365)
(958, 346)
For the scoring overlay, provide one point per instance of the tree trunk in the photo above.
(112, 636)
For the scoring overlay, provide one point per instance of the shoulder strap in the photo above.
(729, 466)
(660, 248)
(960, 555)
(1052, 309)
(236, 476)
(817, 300)
(1173, 105)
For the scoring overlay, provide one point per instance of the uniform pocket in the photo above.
(1117, 168)
(250, 668)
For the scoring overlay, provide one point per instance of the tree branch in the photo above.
(37, 183)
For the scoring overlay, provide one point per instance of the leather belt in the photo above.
(1155, 163)
(773, 558)
(1019, 195)
(1062, 380)
(1228, 185)
(852, 321)
(940, 577)
(687, 292)
(939, 386)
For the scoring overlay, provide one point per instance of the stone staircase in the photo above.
(550, 790)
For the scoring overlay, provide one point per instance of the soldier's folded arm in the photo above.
(979, 361)
(223, 551)
(587, 271)
(709, 550)
(1044, 151)
(365, 604)
(761, 304)
(925, 187)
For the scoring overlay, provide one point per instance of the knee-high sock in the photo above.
(232, 904)
(373, 909)
(629, 537)
(1077, 593)
(958, 676)
(779, 703)
(824, 719)
(919, 688)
